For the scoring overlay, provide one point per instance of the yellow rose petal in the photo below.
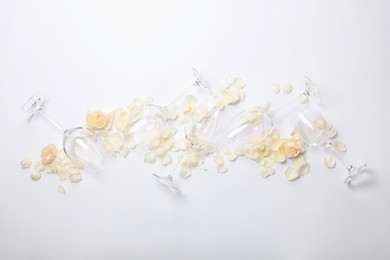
(319, 123)
(329, 161)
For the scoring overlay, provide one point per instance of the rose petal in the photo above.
(218, 102)
(166, 159)
(222, 168)
(36, 175)
(76, 178)
(339, 146)
(303, 169)
(264, 105)
(61, 189)
(291, 173)
(150, 158)
(275, 89)
(332, 133)
(161, 151)
(185, 172)
(319, 123)
(287, 88)
(329, 161)
(124, 151)
(219, 160)
(266, 171)
(26, 162)
(303, 99)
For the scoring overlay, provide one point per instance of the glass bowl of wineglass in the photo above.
(79, 143)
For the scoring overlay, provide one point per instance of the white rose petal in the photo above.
(161, 151)
(329, 161)
(303, 99)
(275, 89)
(266, 171)
(287, 88)
(219, 102)
(291, 173)
(150, 158)
(219, 160)
(166, 159)
(319, 123)
(264, 105)
(39, 166)
(185, 172)
(76, 178)
(222, 168)
(339, 146)
(303, 169)
(26, 162)
(36, 175)
(61, 189)
(332, 133)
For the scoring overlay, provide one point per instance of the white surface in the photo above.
(101, 54)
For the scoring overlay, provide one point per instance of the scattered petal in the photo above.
(166, 159)
(185, 172)
(303, 169)
(26, 162)
(329, 161)
(76, 178)
(264, 105)
(222, 168)
(319, 123)
(36, 175)
(339, 146)
(266, 171)
(291, 173)
(275, 89)
(60, 189)
(303, 99)
(150, 158)
(287, 88)
(332, 133)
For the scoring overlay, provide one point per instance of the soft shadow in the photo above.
(366, 179)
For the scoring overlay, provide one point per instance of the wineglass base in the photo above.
(33, 105)
(353, 172)
(168, 182)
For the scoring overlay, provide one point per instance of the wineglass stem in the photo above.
(51, 121)
(346, 164)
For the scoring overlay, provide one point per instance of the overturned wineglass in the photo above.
(198, 133)
(79, 143)
(316, 132)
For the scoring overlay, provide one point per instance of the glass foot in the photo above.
(33, 105)
(200, 82)
(353, 172)
(312, 91)
(168, 182)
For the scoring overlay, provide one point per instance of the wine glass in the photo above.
(316, 132)
(198, 135)
(79, 143)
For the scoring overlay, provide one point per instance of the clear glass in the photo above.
(197, 133)
(79, 143)
(315, 131)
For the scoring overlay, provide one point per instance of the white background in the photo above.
(101, 54)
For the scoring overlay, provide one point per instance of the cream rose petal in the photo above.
(287, 88)
(150, 158)
(60, 189)
(303, 169)
(339, 146)
(266, 171)
(222, 168)
(275, 89)
(219, 102)
(36, 175)
(26, 162)
(185, 172)
(329, 161)
(76, 178)
(332, 133)
(166, 159)
(291, 173)
(319, 123)
(124, 151)
(264, 105)
(303, 99)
